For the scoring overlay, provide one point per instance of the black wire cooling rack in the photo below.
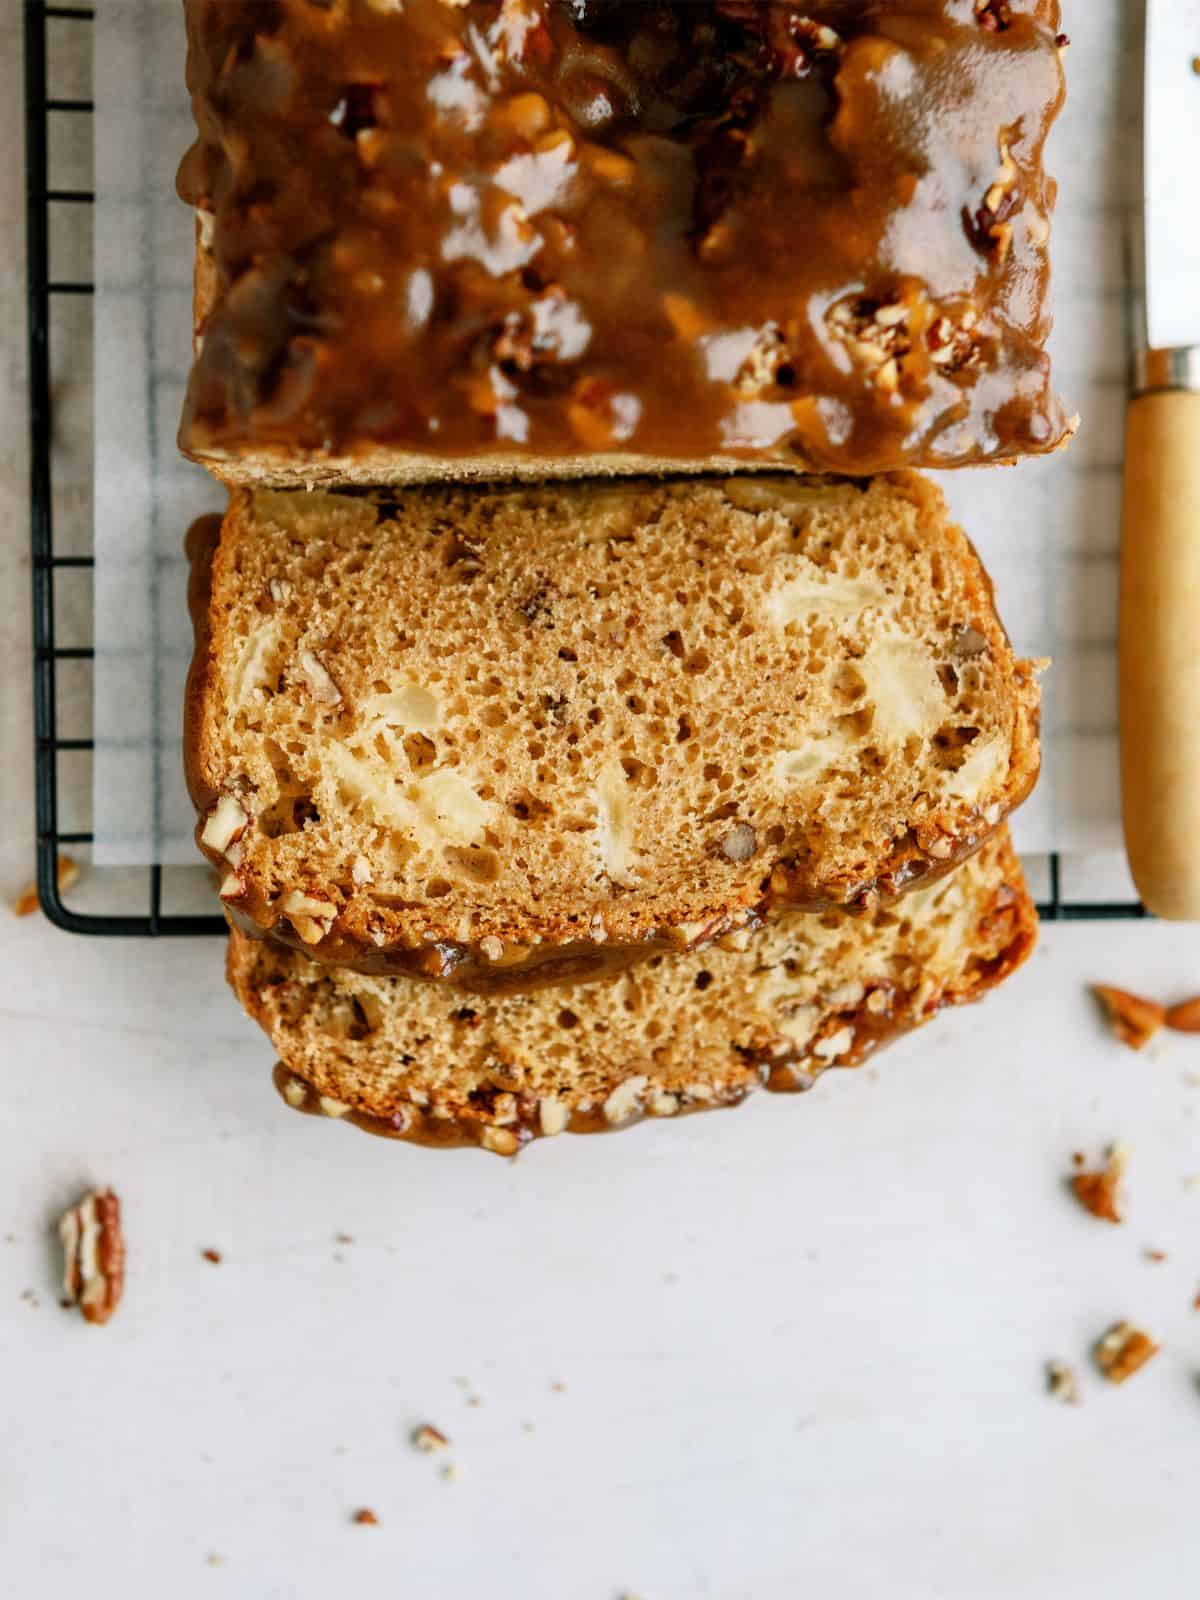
(45, 294)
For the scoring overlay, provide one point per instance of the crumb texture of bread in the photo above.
(452, 732)
(675, 1034)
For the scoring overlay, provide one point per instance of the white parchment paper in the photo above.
(145, 493)
(1048, 530)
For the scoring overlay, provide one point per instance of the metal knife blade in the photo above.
(1171, 164)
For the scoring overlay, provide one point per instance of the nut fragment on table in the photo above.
(428, 1438)
(1101, 1192)
(66, 873)
(1133, 1019)
(1122, 1351)
(1061, 1383)
(94, 1255)
(1185, 1017)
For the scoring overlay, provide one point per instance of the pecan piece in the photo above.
(1100, 1192)
(429, 1439)
(66, 872)
(1185, 1017)
(1134, 1020)
(1122, 1351)
(993, 15)
(94, 1255)
(1061, 1383)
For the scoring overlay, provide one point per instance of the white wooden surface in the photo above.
(801, 1343)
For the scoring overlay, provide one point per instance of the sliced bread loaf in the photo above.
(528, 734)
(677, 1034)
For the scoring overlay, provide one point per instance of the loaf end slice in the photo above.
(674, 1035)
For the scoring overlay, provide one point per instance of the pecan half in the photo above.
(94, 1255)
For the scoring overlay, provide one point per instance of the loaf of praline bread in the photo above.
(676, 1034)
(521, 735)
(543, 238)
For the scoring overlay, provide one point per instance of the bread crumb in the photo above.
(1062, 1383)
(1100, 1192)
(1122, 1351)
(451, 1472)
(212, 1255)
(366, 1518)
(1155, 1255)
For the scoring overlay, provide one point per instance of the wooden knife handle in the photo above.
(1159, 648)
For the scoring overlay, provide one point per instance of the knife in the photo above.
(1159, 629)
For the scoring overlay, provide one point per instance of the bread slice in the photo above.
(449, 240)
(528, 735)
(677, 1034)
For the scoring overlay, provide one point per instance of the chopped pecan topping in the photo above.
(468, 164)
(994, 15)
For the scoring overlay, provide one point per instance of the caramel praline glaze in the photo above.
(630, 233)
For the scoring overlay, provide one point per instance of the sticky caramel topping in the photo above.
(548, 228)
